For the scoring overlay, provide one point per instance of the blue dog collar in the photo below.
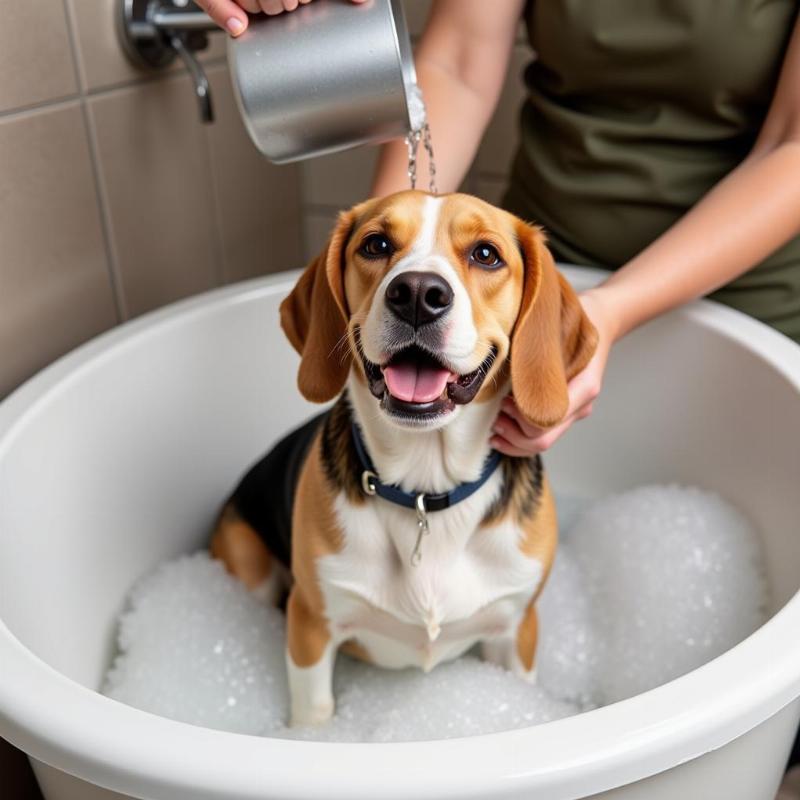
(371, 484)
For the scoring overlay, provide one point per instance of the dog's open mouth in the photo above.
(414, 381)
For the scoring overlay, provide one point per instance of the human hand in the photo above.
(515, 436)
(232, 14)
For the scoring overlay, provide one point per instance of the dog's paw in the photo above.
(503, 652)
(499, 651)
(311, 716)
(529, 676)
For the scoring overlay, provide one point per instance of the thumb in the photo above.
(227, 14)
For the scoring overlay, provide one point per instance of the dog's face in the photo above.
(434, 287)
(435, 301)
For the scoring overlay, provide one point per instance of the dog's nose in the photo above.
(419, 297)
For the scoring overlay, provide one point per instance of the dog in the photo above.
(402, 537)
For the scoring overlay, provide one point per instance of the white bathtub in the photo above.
(116, 458)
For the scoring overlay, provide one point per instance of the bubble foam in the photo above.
(647, 585)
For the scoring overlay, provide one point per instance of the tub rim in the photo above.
(72, 728)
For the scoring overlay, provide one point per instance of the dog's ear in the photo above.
(314, 318)
(553, 339)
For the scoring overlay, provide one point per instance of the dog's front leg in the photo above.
(310, 657)
(516, 651)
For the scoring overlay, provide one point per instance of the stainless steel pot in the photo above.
(328, 76)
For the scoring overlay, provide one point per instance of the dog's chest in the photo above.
(472, 582)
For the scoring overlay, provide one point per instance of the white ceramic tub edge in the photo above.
(131, 751)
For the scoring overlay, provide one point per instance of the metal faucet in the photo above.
(154, 32)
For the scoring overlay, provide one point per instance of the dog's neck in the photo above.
(425, 460)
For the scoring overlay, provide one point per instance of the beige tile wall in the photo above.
(114, 198)
(334, 182)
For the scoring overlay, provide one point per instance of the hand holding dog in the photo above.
(231, 15)
(516, 436)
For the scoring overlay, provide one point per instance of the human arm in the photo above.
(231, 15)
(461, 62)
(749, 214)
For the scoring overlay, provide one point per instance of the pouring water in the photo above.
(420, 132)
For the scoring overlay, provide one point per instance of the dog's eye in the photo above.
(376, 245)
(486, 255)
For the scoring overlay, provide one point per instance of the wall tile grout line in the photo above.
(77, 60)
(20, 112)
(84, 93)
(114, 277)
(55, 102)
(221, 260)
(149, 77)
(105, 216)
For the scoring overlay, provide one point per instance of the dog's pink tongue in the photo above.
(415, 383)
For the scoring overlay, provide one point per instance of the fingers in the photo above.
(528, 429)
(583, 390)
(510, 438)
(232, 14)
(498, 443)
(516, 436)
(272, 7)
(512, 444)
(511, 431)
(227, 14)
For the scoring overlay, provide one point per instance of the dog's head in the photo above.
(434, 301)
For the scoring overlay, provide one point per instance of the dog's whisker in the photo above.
(341, 343)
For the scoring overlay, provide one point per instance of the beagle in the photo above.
(402, 537)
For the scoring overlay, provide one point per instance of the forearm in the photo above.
(449, 103)
(747, 216)
(461, 63)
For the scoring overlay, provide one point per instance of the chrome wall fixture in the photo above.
(155, 32)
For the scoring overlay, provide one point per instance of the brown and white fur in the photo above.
(485, 559)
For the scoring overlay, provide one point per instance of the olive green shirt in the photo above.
(635, 109)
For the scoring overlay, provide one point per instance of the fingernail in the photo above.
(235, 26)
(498, 429)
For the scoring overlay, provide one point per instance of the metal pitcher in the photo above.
(325, 77)
(328, 76)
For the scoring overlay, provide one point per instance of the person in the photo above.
(659, 139)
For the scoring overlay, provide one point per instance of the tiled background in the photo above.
(115, 199)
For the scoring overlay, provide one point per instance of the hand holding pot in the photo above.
(232, 14)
